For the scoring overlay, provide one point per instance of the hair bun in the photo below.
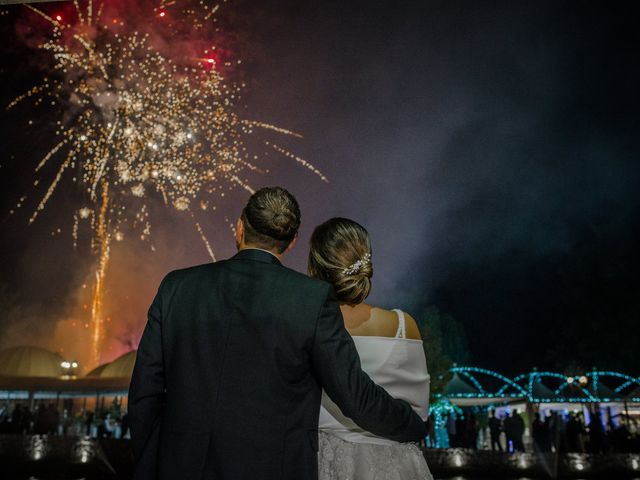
(340, 254)
(353, 289)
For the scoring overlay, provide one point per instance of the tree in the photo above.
(445, 342)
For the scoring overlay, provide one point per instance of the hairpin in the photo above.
(357, 266)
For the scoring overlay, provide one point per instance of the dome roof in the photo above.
(458, 386)
(120, 367)
(28, 361)
(97, 371)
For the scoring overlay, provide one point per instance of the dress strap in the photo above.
(402, 331)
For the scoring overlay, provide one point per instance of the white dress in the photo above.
(348, 452)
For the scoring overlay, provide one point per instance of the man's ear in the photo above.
(239, 231)
(292, 244)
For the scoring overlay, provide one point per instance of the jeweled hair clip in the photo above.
(357, 266)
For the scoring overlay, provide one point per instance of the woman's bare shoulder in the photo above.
(384, 323)
(412, 329)
(370, 321)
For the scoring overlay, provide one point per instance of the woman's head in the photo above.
(340, 253)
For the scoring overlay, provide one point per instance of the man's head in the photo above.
(270, 221)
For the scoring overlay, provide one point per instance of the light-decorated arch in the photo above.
(494, 384)
(597, 386)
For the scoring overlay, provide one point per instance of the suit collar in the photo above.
(256, 255)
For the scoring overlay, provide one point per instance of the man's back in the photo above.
(230, 370)
(237, 349)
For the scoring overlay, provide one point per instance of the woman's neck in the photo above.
(355, 316)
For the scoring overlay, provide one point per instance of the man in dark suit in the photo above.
(233, 360)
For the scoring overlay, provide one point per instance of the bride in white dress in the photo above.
(391, 353)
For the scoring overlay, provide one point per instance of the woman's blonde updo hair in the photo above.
(340, 253)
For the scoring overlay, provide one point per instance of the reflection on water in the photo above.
(99, 477)
(59, 476)
(54, 476)
(38, 457)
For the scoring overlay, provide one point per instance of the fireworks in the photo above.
(139, 124)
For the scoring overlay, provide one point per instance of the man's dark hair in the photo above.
(271, 219)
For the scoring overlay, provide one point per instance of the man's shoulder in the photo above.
(188, 272)
(301, 280)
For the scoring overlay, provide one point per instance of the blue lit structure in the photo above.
(597, 386)
(440, 410)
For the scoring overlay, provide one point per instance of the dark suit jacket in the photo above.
(230, 370)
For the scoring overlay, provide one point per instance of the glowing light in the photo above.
(38, 447)
(138, 190)
(522, 462)
(181, 203)
(59, 18)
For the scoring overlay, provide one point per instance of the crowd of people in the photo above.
(558, 431)
(513, 427)
(571, 433)
(47, 419)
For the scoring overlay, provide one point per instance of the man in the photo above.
(517, 431)
(539, 434)
(233, 360)
(495, 427)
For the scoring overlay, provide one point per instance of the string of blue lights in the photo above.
(580, 388)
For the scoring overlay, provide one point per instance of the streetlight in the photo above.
(69, 369)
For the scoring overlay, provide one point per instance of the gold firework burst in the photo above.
(139, 124)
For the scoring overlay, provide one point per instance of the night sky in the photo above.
(490, 149)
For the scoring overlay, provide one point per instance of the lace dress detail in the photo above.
(342, 460)
(349, 453)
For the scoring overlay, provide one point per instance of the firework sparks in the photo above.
(139, 125)
(97, 305)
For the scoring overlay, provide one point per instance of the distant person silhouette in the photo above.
(540, 434)
(495, 427)
(518, 431)
(596, 434)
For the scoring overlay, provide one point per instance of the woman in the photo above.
(391, 353)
